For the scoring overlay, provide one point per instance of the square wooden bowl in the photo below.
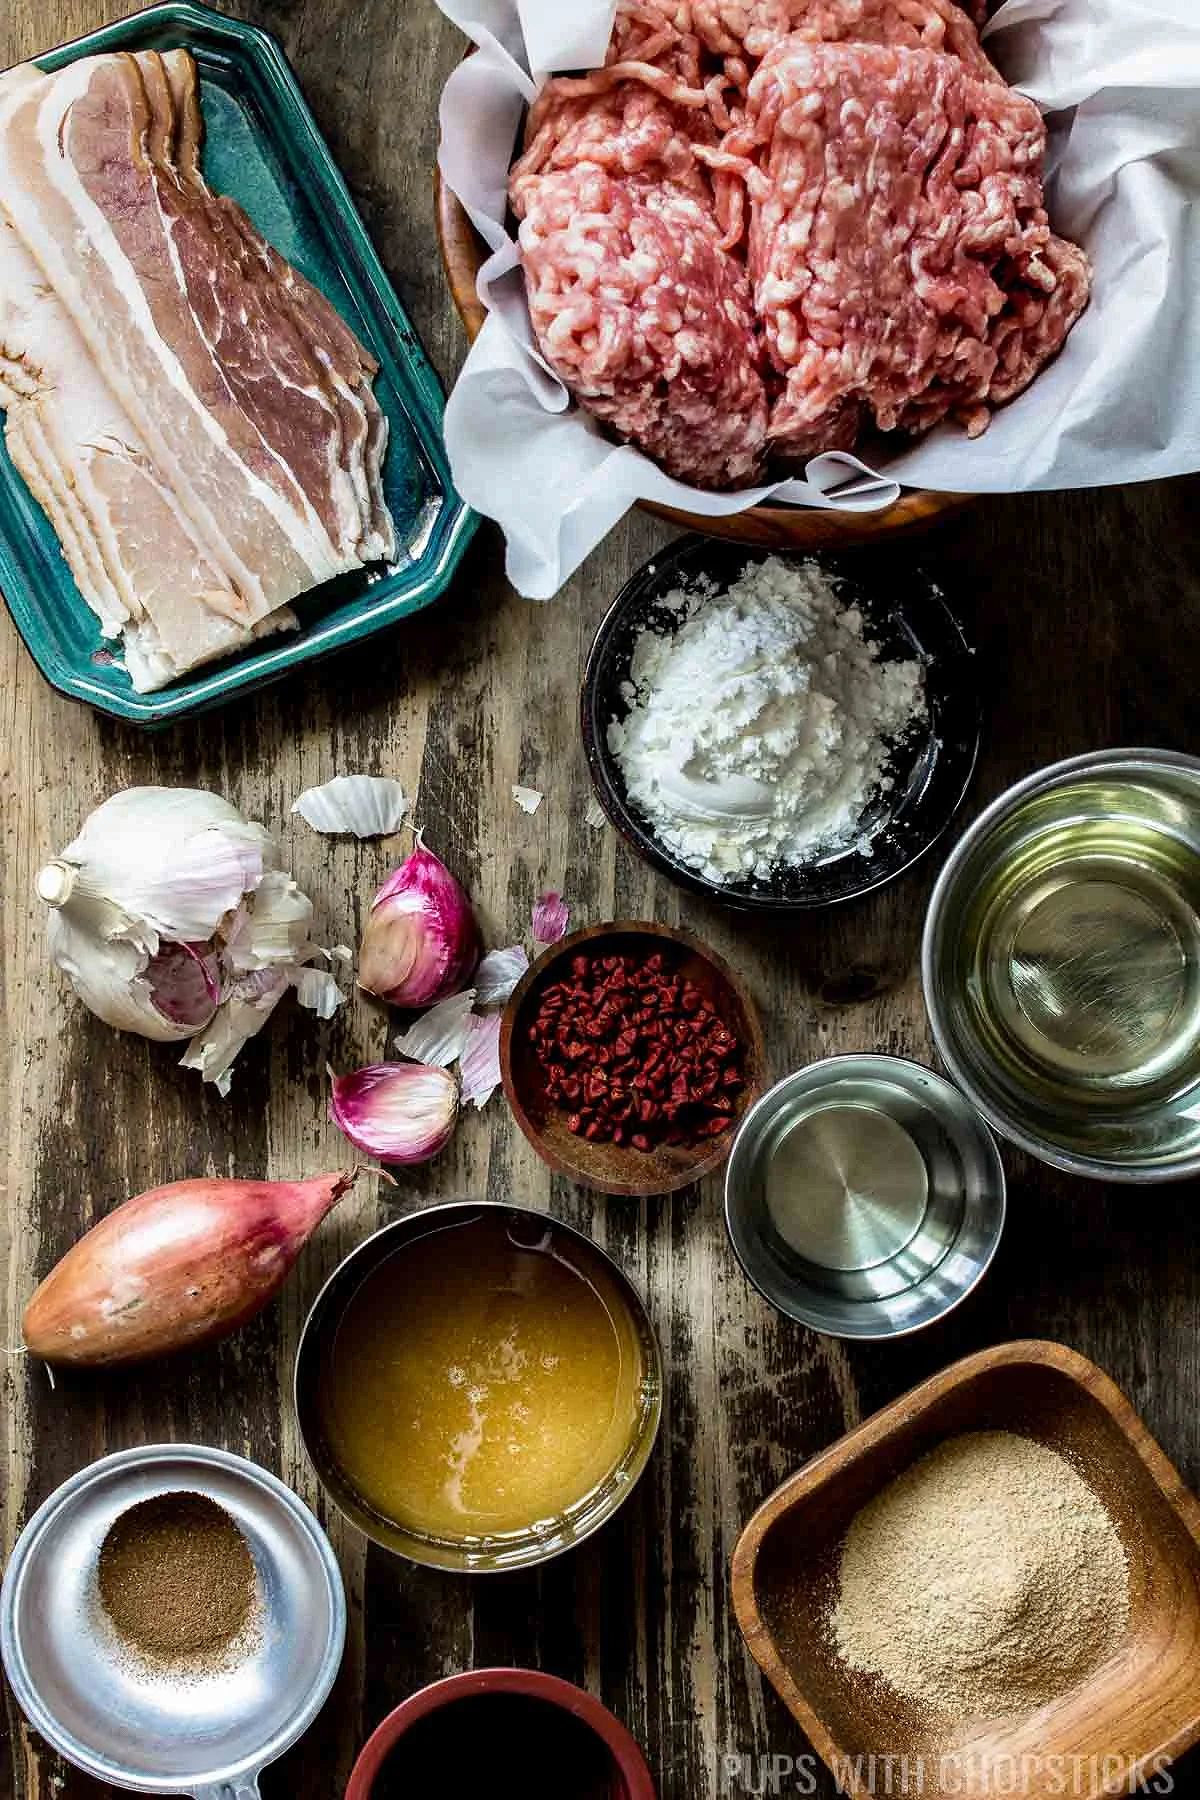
(1133, 1715)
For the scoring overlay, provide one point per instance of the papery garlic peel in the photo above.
(421, 942)
(176, 1267)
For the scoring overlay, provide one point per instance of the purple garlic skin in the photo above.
(421, 941)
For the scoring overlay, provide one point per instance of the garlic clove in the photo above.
(398, 1112)
(109, 978)
(421, 941)
(185, 984)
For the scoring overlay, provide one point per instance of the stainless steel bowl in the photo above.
(208, 1734)
(864, 1197)
(472, 1556)
(1061, 965)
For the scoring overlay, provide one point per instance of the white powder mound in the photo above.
(759, 731)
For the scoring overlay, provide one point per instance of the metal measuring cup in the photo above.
(210, 1733)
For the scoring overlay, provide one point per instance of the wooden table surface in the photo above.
(1083, 609)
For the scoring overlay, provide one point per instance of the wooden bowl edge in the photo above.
(1032, 1352)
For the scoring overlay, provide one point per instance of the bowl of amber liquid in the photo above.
(478, 1387)
(1061, 965)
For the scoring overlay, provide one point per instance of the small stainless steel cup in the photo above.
(864, 1196)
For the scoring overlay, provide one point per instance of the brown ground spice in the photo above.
(176, 1575)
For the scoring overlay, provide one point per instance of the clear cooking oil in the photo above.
(1084, 972)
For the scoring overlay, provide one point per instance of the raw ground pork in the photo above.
(647, 319)
(828, 208)
(746, 30)
(901, 200)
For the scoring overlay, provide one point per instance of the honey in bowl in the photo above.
(483, 1381)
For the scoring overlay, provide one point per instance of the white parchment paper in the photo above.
(1120, 83)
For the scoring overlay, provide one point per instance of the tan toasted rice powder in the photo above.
(985, 1580)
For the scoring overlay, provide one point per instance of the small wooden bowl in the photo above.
(774, 526)
(1141, 1705)
(618, 1168)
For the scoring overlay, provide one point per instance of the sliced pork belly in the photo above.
(86, 202)
(349, 366)
(263, 354)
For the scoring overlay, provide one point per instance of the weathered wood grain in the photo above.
(1083, 610)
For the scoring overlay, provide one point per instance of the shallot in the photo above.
(176, 1267)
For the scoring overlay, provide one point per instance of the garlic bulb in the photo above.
(170, 916)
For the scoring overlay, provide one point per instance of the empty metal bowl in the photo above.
(207, 1733)
(864, 1196)
(1061, 965)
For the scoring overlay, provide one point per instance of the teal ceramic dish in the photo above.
(263, 148)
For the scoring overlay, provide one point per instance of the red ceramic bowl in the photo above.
(630, 1776)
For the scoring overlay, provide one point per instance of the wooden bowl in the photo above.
(775, 526)
(618, 1168)
(1141, 1705)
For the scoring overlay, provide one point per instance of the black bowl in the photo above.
(930, 770)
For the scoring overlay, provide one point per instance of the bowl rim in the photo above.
(1006, 1126)
(992, 1150)
(671, 934)
(374, 1248)
(877, 1429)
(535, 1684)
(148, 1456)
(643, 841)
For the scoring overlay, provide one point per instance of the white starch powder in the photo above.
(758, 732)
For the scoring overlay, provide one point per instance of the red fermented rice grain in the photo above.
(635, 1054)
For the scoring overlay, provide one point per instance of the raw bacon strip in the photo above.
(78, 135)
(130, 549)
(346, 368)
(263, 359)
(647, 319)
(898, 210)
